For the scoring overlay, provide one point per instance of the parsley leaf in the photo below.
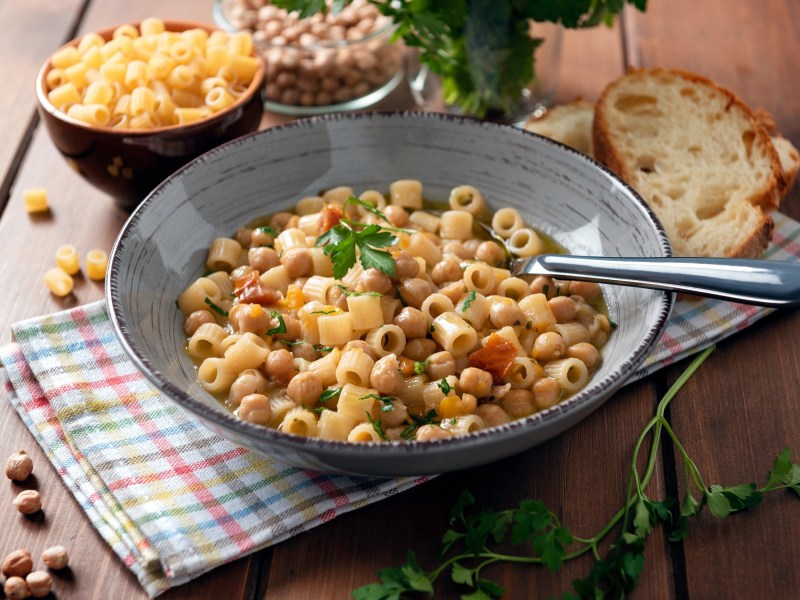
(377, 425)
(217, 309)
(340, 243)
(268, 230)
(347, 292)
(420, 366)
(281, 328)
(330, 394)
(366, 206)
(444, 386)
(468, 300)
(387, 401)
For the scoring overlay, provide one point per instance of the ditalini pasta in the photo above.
(372, 319)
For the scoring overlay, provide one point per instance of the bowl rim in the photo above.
(222, 418)
(256, 86)
(223, 21)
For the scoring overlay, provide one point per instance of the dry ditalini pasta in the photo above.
(370, 319)
(149, 77)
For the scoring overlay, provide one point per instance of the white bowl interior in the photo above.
(584, 207)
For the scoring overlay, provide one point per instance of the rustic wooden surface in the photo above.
(733, 418)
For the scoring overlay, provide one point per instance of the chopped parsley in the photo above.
(217, 309)
(347, 292)
(330, 394)
(468, 300)
(377, 425)
(411, 430)
(268, 230)
(432, 328)
(324, 312)
(545, 289)
(281, 328)
(444, 386)
(387, 401)
(420, 365)
(321, 348)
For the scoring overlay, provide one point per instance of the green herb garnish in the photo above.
(387, 401)
(293, 342)
(324, 312)
(321, 348)
(444, 386)
(330, 394)
(480, 538)
(546, 289)
(377, 425)
(417, 422)
(468, 300)
(281, 328)
(347, 292)
(217, 309)
(432, 328)
(341, 241)
(268, 230)
(420, 365)
(366, 206)
(315, 409)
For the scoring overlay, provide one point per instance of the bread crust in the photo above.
(765, 199)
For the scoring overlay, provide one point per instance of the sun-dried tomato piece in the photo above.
(331, 215)
(496, 357)
(249, 289)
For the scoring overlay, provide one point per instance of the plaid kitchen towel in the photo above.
(175, 500)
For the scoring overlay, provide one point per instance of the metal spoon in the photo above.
(761, 282)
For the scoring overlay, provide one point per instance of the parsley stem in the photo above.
(387, 227)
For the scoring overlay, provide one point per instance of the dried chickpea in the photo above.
(28, 502)
(16, 588)
(19, 466)
(17, 563)
(39, 583)
(55, 557)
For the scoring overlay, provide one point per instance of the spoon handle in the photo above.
(761, 282)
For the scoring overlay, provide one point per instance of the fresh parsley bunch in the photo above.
(475, 537)
(481, 49)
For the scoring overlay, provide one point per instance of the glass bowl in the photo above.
(321, 64)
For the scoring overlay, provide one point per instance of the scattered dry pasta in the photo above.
(35, 200)
(96, 264)
(58, 282)
(366, 321)
(150, 77)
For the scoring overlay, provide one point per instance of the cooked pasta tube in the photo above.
(215, 375)
(506, 221)
(334, 425)
(356, 402)
(387, 339)
(207, 341)
(570, 373)
(364, 432)
(354, 367)
(463, 425)
(480, 277)
(299, 421)
(467, 198)
(454, 334)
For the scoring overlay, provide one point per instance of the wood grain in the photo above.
(31, 31)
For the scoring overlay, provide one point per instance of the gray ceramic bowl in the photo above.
(563, 193)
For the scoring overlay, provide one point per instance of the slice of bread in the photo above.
(570, 124)
(697, 154)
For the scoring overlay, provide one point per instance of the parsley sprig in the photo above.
(469, 545)
(341, 241)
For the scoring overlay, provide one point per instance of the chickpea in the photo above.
(305, 388)
(471, 245)
(502, 314)
(262, 259)
(239, 272)
(39, 583)
(405, 265)
(546, 392)
(297, 262)
(17, 563)
(549, 346)
(336, 297)
(492, 414)
(278, 221)
(455, 291)
(476, 382)
(490, 252)
(361, 345)
(427, 433)
(386, 377)
(441, 365)
(468, 404)
(396, 416)
(414, 291)
(256, 409)
(518, 403)
(397, 215)
(446, 270)
(587, 290)
(293, 329)
(246, 318)
(586, 353)
(375, 280)
(564, 308)
(16, 588)
(305, 351)
(419, 349)
(413, 322)
(28, 502)
(195, 319)
(280, 365)
(249, 381)
(55, 557)
(457, 249)
(259, 237)
(19, 466)
(244, 236)
(543, 285)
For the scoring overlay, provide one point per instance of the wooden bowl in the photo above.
(128, 163)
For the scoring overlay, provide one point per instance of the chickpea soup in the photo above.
(371, 318)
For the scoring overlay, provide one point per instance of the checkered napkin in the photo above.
(173, 499)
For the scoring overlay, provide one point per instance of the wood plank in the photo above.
(591, 58)
(31, 30)
(581, 476)
(737, 414)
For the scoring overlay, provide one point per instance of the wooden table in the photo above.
(733, 418)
